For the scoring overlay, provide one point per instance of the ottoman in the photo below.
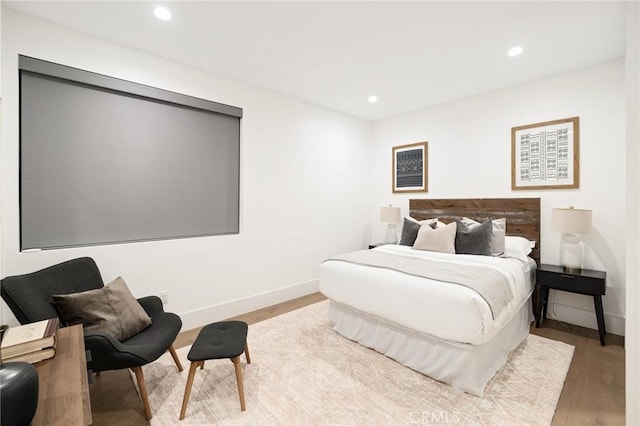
(227, 339)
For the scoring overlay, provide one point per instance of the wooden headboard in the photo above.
(522, 214)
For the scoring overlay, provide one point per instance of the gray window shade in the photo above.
(99, 165)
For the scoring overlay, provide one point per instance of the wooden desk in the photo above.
(63, 394)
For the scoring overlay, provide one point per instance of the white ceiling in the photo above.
(335, 54)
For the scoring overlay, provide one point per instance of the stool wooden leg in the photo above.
(143, 392)
(174, 355)
(236, 363)
(246, 353)
(187, 390)
(202, 365)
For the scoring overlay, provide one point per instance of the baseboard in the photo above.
(614, 324)
(204, 316)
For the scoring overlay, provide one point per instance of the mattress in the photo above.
(438, 309)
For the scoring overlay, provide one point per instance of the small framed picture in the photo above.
(409, 167)
(546, 155)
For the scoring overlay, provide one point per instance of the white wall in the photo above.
(303, 172)
(632, 336)
(470, 156)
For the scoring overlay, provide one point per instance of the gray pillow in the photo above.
(409, 232)
(497, 236)
(410, 229)
(111, 309)
(474, 240)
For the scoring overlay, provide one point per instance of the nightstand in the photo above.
(583, 281)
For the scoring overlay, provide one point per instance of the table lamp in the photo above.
(571, 222)
(391, 216)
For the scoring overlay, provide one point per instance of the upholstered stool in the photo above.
(227, 339)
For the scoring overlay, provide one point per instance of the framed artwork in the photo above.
(409, 167)
(546, 155)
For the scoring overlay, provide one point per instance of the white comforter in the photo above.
(443, 310)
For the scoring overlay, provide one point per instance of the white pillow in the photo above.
(517, 247)
(497, 235)
(440, 239)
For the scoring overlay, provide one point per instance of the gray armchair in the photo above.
(29, 298)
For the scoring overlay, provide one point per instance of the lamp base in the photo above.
(571, 253)
(392, 237)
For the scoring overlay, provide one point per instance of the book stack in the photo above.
(30, 342)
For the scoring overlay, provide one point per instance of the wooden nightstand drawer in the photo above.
(572, 283)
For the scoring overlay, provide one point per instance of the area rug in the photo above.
(304, 373)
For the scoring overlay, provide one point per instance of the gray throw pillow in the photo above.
(474, 240)
(409, 232)
(410, 229)
(497, 236)
(111, 309)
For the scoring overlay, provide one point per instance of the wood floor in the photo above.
(593, 392)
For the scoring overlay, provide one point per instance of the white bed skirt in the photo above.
(463, 366)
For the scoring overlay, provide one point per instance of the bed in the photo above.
(458, 334)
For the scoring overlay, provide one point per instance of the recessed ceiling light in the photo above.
(162, 13)
(515, 51)
(373, 99)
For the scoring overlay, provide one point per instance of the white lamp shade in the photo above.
(571, 221)
(390, 214)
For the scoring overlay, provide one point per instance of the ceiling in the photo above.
(411, 55)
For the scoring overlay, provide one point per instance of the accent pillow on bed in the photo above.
(474, 240)
(497, 236)
(410, 229)
(439, 239)
(111, 309)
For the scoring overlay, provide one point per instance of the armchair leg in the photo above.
(174, 355)
(143, 392)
